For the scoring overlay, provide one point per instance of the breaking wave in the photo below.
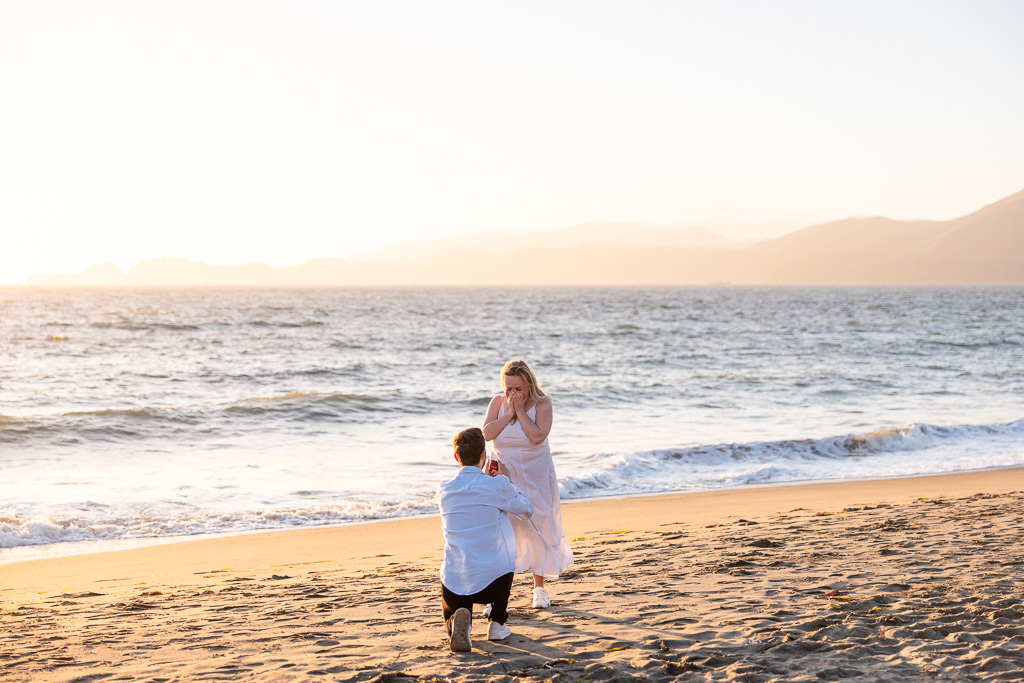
(106, 523)
(903, 450)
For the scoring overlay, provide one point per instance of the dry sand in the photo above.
(895, 580)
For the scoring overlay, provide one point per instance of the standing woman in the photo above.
(518, 422)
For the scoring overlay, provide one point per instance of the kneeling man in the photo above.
(479, 545)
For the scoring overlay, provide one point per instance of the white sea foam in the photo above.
(159, 521)
(906, 450)
(899, 451)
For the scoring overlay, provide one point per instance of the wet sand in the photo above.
(889, 580)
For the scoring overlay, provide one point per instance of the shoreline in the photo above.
(756, 500)
(150, 542)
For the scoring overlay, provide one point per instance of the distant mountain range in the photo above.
(615, 234)
(986, 246)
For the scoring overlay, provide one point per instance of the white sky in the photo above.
(235, 132)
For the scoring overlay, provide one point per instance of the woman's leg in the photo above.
(541, 597)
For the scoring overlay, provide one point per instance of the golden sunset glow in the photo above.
(258, 132)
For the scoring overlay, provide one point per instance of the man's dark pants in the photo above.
(496, 595)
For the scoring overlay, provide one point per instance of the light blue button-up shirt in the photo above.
(479, 545)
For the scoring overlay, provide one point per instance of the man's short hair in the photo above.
(469, 445)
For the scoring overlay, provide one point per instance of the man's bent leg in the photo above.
(450, 602)
(497, 594)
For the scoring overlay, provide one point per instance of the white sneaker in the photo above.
(462, 620)
(541, 597)
(498, 631)
(487, 610)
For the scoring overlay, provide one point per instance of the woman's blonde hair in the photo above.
(520, 368)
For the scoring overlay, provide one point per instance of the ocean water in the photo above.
(137, 416)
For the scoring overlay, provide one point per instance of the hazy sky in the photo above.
(275, 132)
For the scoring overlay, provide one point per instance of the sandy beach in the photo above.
(895, 580)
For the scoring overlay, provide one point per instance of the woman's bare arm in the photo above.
(537, 431)
(494, 424)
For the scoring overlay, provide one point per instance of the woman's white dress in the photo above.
(540, 543)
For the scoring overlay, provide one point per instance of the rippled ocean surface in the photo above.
(151, 414)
